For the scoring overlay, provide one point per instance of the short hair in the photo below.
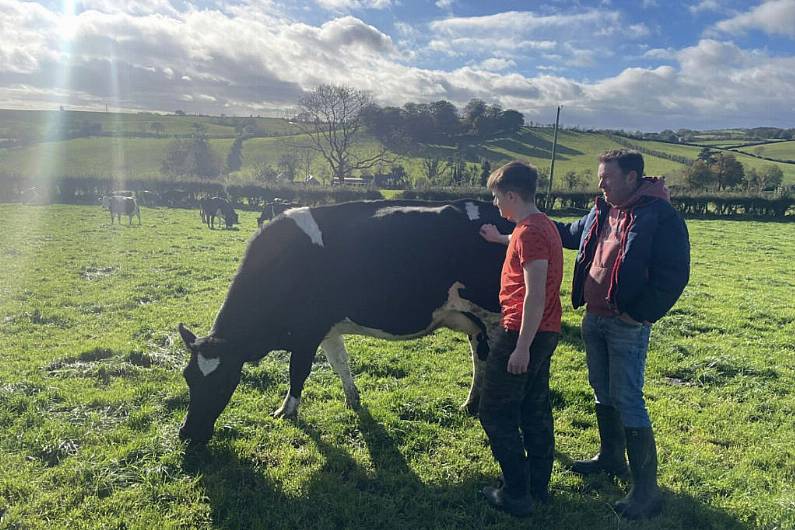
(518, 177)
(628, 160)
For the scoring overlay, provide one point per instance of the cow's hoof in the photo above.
(353, 401)
(288, 410)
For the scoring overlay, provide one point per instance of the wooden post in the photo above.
(548, 201)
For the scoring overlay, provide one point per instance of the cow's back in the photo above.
(375, 262)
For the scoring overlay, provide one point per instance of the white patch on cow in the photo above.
(208, 366)
(219, 213)
(473, 212)
(303, 218)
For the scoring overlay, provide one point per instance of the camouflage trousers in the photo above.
(516, 413)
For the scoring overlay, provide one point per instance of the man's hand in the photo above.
(492, 235)
(518, 361)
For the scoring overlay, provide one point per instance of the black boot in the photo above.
(611, 452)
(511, 496)
(644, 498)
(540, 472)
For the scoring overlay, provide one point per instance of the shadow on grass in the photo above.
(386, 492)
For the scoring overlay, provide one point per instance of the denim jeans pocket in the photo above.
(621, 322)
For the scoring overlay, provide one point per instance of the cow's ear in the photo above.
(187, 337)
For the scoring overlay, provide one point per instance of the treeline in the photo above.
(186, 193)
(722, 171)
(686, 136)
(439, 122)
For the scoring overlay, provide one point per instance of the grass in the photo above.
(91, 396)
(143, 157)
(777, 150)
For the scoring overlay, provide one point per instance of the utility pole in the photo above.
(548, 201)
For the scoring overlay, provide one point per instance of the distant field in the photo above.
(143, 157)
(91, 396)
(42, 122)
(778, 150)
(120, 157)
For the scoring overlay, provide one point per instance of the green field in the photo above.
(15, 123)
(130, 155)
(91, 396)
(777, 150)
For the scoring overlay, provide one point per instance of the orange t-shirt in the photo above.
(535, 237)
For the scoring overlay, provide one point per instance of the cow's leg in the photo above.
(473, 398)
(300, 366)
(334, 348)
(478, 340)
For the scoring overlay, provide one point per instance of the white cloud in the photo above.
(775, 17)
(497, 64)
(250, 58)
(705, 6)
(349, 5)
(444, 4)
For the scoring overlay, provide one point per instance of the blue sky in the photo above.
(648, 64)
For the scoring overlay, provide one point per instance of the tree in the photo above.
(728, 170)
(192, 157)
(699, 175)
(485, 171)
(430, 168)
(706, 155)
(234, 160)
(334, 118)
(288, 165)
(446, 122)
(771, 177)
(572, 180)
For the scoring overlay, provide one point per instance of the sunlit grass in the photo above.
(91, 396)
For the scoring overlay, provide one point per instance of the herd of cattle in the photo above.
(210, 208)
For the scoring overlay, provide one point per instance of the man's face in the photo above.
(504, 201)
(616, 186)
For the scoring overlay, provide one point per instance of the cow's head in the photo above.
(212, 376)
(231, 219)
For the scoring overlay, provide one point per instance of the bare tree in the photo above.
(332, 119)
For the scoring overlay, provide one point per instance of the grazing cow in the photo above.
(272, 209)
(118, 205)
(210, 208)
(387, 269)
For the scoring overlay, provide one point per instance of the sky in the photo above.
(638, 65)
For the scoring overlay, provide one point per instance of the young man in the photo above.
(633, 264)
(515, 409)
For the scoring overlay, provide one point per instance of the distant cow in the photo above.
(210, 208)
(272, 209)
(388, 269)
(119, 205)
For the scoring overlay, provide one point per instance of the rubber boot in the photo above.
(644, 498)
(511, 497)
(612, 445)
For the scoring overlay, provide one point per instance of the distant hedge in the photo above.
(692, 204)
(186, 193)
(176, 193)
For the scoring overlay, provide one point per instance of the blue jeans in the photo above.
(615, 352)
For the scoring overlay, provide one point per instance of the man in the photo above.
(633, 263)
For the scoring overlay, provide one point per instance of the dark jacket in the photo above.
(653, 266)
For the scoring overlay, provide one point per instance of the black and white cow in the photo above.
(119, 205)
(210, 208)
(387, 269)
(274, 208)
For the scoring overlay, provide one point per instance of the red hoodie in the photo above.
(609, 247)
